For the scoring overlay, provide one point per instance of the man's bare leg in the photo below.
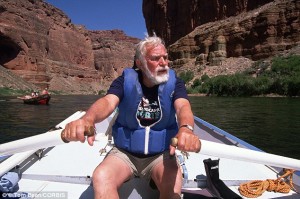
(168, 179)
(108, 176)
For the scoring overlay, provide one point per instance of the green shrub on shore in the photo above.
(283, 78)
(186, 76)
(12, 92)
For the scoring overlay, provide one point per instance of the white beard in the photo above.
(157, 79)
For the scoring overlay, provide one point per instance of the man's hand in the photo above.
(186, 141)
(75, 131)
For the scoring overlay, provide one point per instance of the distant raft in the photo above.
(38, 100)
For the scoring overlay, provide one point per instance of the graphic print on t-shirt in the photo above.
(148, 111)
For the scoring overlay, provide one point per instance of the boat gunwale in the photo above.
(237, 140)
(226, 134)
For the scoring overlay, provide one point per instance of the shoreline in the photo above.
(266, 95)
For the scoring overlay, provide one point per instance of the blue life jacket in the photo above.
(128, 134)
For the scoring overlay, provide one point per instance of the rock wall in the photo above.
(173, 19)
(113, 51)
(257, 34)
(206, 32)
(39, 43)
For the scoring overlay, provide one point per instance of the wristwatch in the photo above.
(187, 126)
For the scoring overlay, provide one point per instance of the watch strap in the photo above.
(187, 126)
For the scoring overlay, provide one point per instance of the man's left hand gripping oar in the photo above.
(185, 141)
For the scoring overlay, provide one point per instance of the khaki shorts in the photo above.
(141, 166)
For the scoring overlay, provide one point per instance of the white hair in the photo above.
(151, 41)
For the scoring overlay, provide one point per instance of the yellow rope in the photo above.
(256, 188)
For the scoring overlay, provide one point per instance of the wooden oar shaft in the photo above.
(242, 154)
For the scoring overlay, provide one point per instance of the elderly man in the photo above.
(153, 107)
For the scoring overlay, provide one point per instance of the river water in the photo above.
(271, 124)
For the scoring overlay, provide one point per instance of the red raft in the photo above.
(38, 100)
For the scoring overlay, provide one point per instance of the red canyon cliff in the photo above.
(40, 44)
(208, 32)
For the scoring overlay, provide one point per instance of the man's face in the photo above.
(156, 70)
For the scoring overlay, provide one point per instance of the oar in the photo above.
(14, 160)
(48, 139)
(242, 154)
(54, 138)
(45, 140)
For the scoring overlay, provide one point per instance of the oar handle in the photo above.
(89, 131)
(174, 142)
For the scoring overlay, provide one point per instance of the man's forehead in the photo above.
(158, 49)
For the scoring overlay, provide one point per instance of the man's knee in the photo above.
(106, 176)
(98, 176)
(102, 175)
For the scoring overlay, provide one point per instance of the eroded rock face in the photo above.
(173, 19)
(113, 51)
(209, 34)
(257, 34)
(39, 43)
(35, 34)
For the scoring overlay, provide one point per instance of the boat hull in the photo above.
(39, 100)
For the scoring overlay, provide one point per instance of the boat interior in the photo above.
(67, 169)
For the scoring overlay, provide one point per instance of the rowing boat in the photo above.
(50, 167)
(38, 100)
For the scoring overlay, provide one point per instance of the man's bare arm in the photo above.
(187, 140)
(100, 110)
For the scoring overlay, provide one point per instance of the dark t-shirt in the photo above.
(149, 110)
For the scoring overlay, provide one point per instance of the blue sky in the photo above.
(125, 15)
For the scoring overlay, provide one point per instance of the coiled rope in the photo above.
(256, 188)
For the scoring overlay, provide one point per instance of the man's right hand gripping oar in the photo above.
(78, 129)
(100, 110)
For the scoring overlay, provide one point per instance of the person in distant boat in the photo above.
(26, 97)
(153, 108)
(45, 91)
